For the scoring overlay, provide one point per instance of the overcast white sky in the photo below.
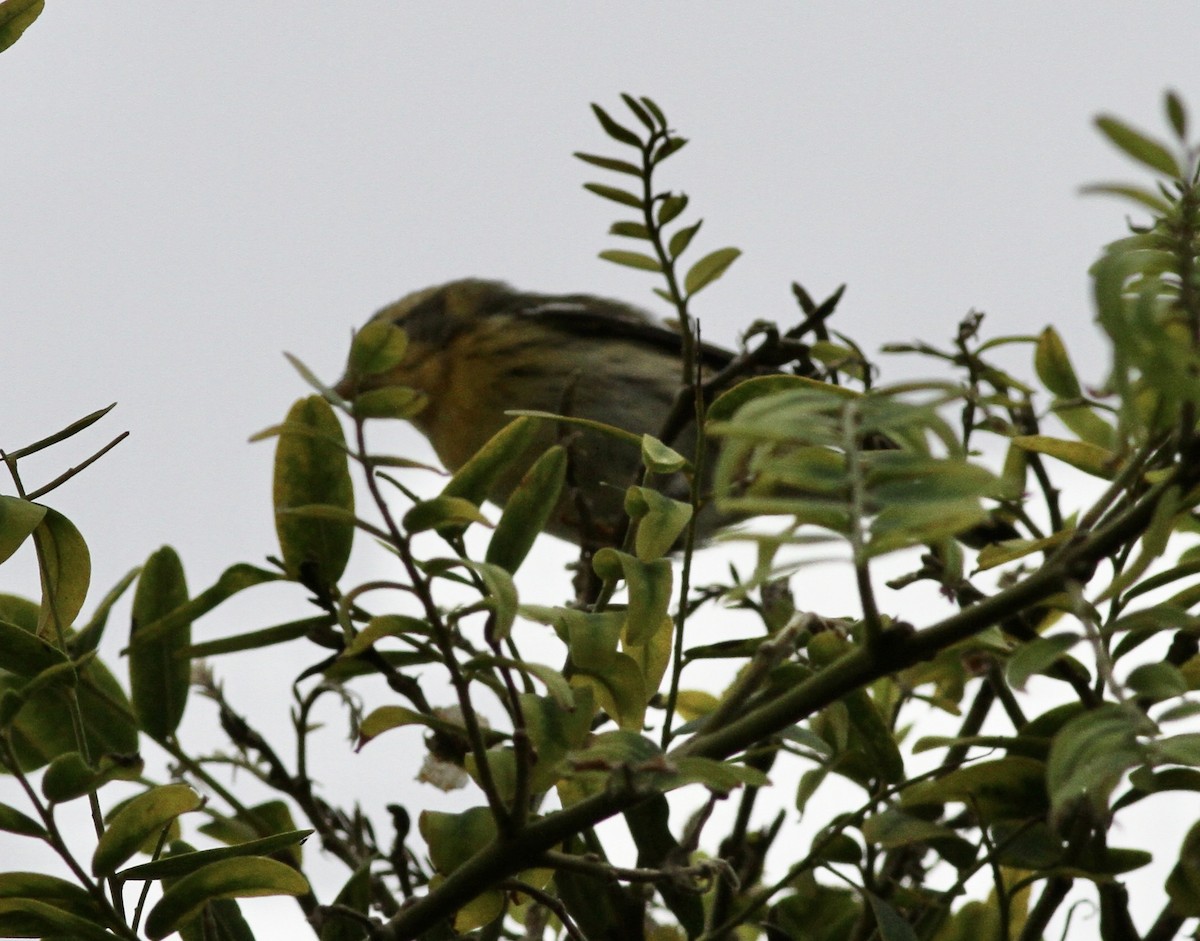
(190, 190)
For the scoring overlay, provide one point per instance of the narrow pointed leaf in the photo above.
(614, 130)
(616, 195)
(631, 259)
(1141, 148)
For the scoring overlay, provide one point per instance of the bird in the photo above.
(479, 349)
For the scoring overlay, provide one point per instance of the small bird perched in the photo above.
(478, 349)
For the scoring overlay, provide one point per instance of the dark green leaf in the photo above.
(24, 653)
(610, 163)
(159, 672)
(15, 17)
(667, 148)
(1176, 114)
(616, 195)
(671, 206)
(13, 821)
(614, 130)
(640, 112)
(655, 110)
(631, 230)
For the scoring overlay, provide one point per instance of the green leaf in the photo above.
(639, 111)
(892, 927)
(1093, 460)
(442, 513)
(659, 458)
(261, 820)
(616, 678)
(159, 672)
(18, 519)
(614, 130)
(668, 147)
(377, 347)
(501, 591)
(384, 625)
(13, 821)
(682, 239)
(631, 259)
(631, 230)
(1156, 204)
(1157, 681)
(455, 838)
(238, 577)
(69, 776)
(709, 268)
(554, 730)
(267, 637)
(180, 864)
(29, 918)
(66, 572)
(1176, 114)
(1141, 148)
(1038, 656)
(313, 469)
(476, 478)
(1011, 788)
(1091, 753)
(649, 583)
(67, 897)
(1053, 365)
(140, 820)
(609, 163)
(43, 729)
(654, 110)
(1183, 884)
(614, 194)
(232, 878)
(15, 18)
(670, 207)
(354, 896)
(398, 402)
(527, 510)
(24, 653)
(660, 520)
